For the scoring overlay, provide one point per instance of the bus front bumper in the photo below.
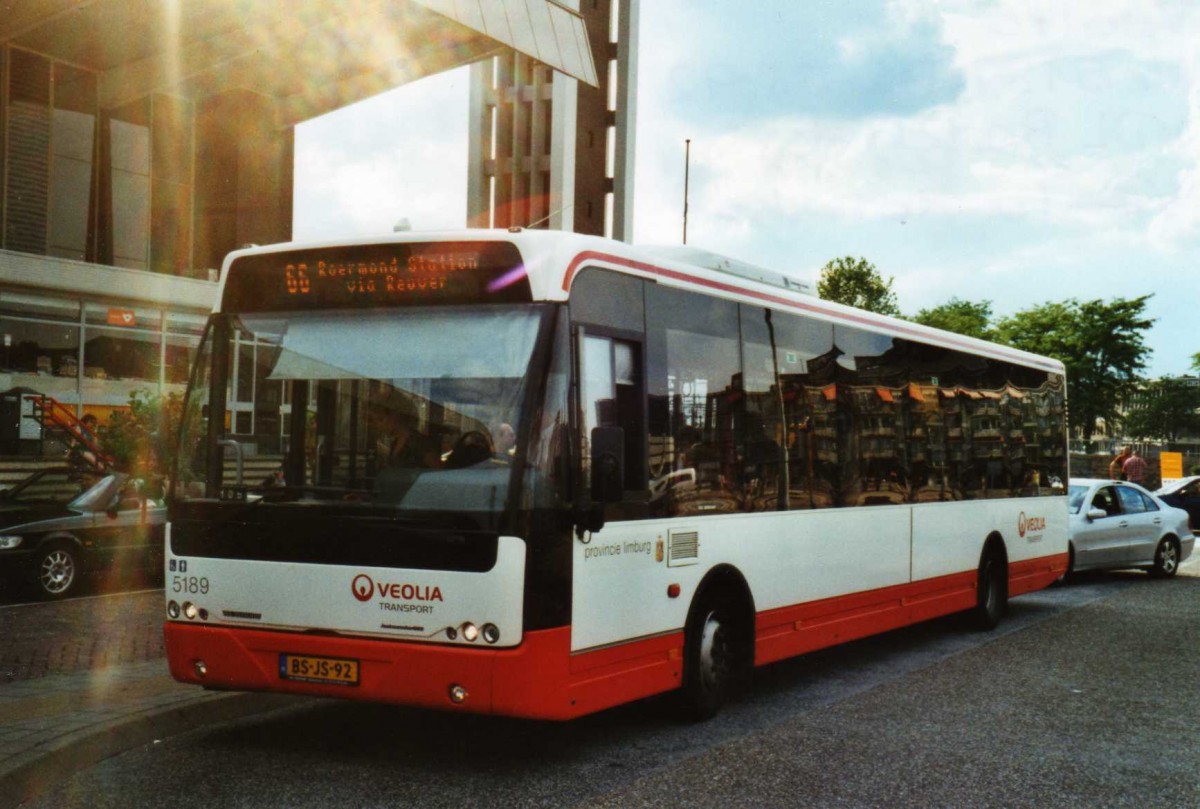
(539, 679)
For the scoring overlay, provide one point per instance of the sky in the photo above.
(1014, 151)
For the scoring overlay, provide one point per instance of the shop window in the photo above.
(182, 339)
(33, 347)
(121, 354)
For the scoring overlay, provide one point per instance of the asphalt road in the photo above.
(1088, 695)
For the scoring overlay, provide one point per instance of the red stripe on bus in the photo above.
(652, 269)
(541, 678)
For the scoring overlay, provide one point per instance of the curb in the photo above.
(48, 765)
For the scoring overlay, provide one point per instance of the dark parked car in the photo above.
(1184, 494)
(48, 538)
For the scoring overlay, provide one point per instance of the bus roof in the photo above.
(552, 260)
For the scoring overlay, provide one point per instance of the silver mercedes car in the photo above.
(1114, 524)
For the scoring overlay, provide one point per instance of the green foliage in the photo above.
(856, 282)
(1100, 343)
(141, 440)
(1164, 410)
(960, 317)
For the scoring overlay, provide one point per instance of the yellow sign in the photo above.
(1171, 464)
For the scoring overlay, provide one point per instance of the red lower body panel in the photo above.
(538, 679)
(795, 630)
(541, 678)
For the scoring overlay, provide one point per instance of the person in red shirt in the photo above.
(1134, 467)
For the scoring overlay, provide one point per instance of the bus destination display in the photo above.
(370, 276)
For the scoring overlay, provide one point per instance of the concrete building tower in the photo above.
(548, 150)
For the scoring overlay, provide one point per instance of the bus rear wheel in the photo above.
(992, 599)
(715, 655)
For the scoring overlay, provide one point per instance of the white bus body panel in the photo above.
(946, 535)
(788, 558)
(362, 601)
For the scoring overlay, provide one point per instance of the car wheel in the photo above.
(1166, 559)
(714, 655)
(55, 570)
(992, 600)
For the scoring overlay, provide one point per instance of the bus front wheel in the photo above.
(715, 654)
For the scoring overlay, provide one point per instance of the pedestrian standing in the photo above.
(1116, 467)
(1134, 467)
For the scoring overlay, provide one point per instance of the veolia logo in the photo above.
(362, 587)
(1030, 524)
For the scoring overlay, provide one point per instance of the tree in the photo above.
(141, 440)
(856, 282)
(1101, 344)
(961, 317)
(1164, 410)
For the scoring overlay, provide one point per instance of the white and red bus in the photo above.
(541, 474)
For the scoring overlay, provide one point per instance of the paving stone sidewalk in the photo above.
(86, 679)
(84, 634)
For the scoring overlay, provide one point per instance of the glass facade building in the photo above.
(140, 144)
(108, 188)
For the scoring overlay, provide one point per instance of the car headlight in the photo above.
(7, 543)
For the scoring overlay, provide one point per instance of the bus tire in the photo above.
(717, 652)
(992, 593)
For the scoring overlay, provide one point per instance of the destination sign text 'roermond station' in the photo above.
(367, 276)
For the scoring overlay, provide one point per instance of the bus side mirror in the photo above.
(608, 464)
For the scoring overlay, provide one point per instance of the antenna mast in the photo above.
(687, 159)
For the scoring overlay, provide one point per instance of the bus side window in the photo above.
(611, 396)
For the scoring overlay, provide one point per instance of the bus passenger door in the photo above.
(611, 393)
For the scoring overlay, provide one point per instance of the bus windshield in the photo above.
(413, 409)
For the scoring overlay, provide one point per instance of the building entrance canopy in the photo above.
(310, 56)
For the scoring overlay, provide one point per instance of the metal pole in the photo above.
(687, 159)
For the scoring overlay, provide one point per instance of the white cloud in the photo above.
(1033, 135)
(399, 155)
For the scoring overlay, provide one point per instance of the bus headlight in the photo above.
(173, 610)
(7, 543)
(491, 633)
(190, 610)
(470, 632)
